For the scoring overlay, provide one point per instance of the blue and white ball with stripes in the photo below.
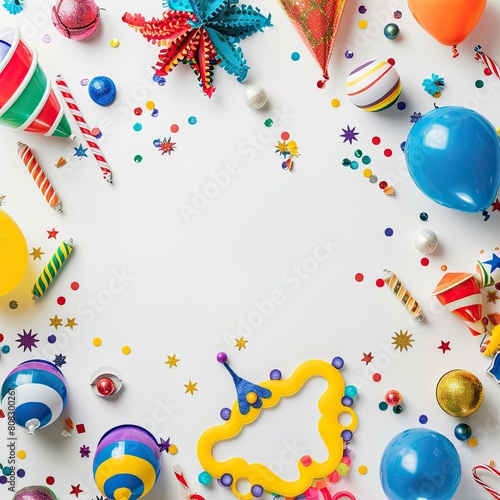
(35, 394)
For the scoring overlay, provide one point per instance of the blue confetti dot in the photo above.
(403, 146)
(383, 405)
(3, 479)
(156, 78)
(295, 56)
(349, 54)
(354, 165)
(21, 472)
(362, 9)
(155, 113)
(137, 127)
(401, 105)
(389, 231)
(52, 339)
(423, 419)
(161, 81)
(6, 470)
(5, 349)
(192, 120)
(156, 143)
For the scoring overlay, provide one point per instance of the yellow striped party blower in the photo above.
(52, 268)
(402, 294)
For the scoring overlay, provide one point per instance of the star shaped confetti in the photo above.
(203, 35)
(172, 361)
(367, 358)
(492, 296)
(402, 340)
(59, 360)
(75, 490)
(55, 321)
(241, 343)
(495, 206)
(191, 387)
(52, 233)
(164, 445)
(37, 253)
(80, 152)
(165, 145)
(349, 134)
(445, 346)
(85, 451)
(27, 340)
(415, 117)
(494, 262)
(71, 323)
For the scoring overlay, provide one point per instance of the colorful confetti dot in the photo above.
(424, 261)
(380, 283)
(155, 113)
(423, 419)
(444, 268)
(137, 126)
(391, 61)
(388, 152)
(192, 120)
(366, 160)
(424, 216)
(479, 84)
(349, 54)
(377, 377)
(46, 38)
(367, 173)
(373, 179)
(75, 285)
(285, 136)
(96, 132)
(61, 300)
(174, 128)
(138, 158)
(363, 24)
(472, 442)
(21, 454)
(362, 469)
(362, 9)
(5, 349)
(389, 231)
(50, 480)
(295, 56)
(383, 185)
(376, 140)
(97, 341)
(126, 350)
(172, 450)
(114, 42)
(401, 105)
(397, 14)
(21, 472)
(52, 339)
(268, 122)
(335, 103)
(138, 111)
(383, 405)
(150, 105)
(6, 470)
(13, 304)
(359, 277)
(358, 153)
(354, 165)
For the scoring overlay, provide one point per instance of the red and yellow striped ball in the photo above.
(374, 86)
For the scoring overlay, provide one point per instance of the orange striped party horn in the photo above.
(39, 176)
(402, 294)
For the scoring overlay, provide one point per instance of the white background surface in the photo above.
(190, 281)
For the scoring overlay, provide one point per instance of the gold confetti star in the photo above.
(172, 361)
(241, 343)
(55, 321)
(71, 323)
(37, 253)
(191, 387)
(492, 297)
(402, 340)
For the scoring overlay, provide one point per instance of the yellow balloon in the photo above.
(13, 254)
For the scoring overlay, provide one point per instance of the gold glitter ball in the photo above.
(459, 393)
(114, 42)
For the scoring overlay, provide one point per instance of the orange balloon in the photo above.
(448, 21)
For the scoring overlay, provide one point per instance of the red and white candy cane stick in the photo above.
(478, 480)
(491, 66)
(185, 491)
(84, 128)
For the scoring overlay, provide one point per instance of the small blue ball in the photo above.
(226, 480)
(338, 362)
(463, 432)
(347, 401)
(204, 478)
(257, 490)
(225, 413)
(275, 374)
(102, 90)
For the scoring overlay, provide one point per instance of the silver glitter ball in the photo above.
(255, 97)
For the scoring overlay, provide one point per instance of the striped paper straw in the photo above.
(84, 128)
(185, 491)
(490, 64)
(489, 489)
(52, 268)
(39, 176)
(403, 295)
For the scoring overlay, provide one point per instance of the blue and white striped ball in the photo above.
(34, 393)
(374, 86)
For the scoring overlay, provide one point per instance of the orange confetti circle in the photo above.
(126, 350)
(362, 469)
(367, 173)
(363, 24)
(97, 341)
(335, 103)
(444, 268)
(172, 449)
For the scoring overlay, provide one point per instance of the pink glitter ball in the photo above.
(34, 493)
(76, 19)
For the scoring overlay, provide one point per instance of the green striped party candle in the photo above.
(52, 268)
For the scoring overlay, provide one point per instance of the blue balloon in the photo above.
(420, 464)
(453, 156)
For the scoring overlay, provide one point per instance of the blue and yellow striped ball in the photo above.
(126, 463)
(374, 86)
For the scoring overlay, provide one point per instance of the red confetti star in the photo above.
(53, 233)
(445, 346)
(75, 490)
(495, 205)
(367, 358)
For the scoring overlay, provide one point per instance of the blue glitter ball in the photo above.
(102, 90)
